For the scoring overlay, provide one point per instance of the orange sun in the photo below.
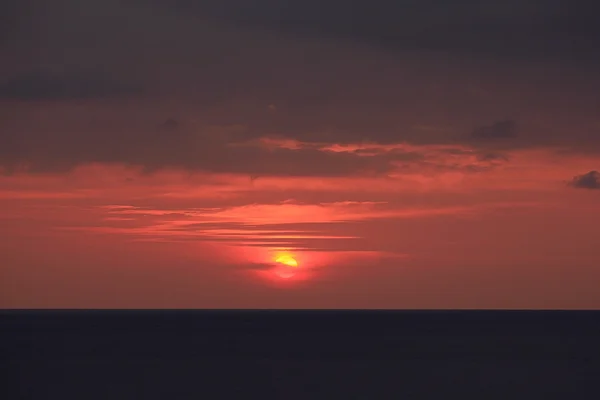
(286, 259)
(286, 267)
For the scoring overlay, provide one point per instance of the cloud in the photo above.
(405, 157)
(516, 28)
(210, 84)
(193, 147)
(175, 145)
(591, 180)
(71, 85)
(223, 149)
(506, 129)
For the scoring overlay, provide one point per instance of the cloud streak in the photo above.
(222, 150)
(290, 225)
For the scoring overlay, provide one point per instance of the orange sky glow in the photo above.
(514, 222)
(201, 151)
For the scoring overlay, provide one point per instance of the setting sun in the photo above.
(287, 260)
(287, 266)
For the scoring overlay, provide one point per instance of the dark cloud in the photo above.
(521, 28)
(71, 85)
(591, 180)
(174, 144)
(227, 62)
(506, 129)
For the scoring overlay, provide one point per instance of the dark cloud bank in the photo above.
(513, 28)
(175, 144)
(425, 72)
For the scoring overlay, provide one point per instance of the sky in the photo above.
(299, 154)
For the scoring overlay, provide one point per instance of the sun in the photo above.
(286, 259)
(286, 266)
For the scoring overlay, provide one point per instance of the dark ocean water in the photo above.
(300, 354)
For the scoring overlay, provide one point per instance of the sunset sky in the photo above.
(404, 154)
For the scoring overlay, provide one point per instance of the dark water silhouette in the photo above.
(300, 354)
